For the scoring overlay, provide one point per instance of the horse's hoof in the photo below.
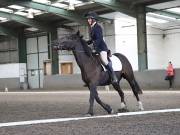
(141, 109)
(88, 115)
(111, 112)
(123, 110)
(140, 106)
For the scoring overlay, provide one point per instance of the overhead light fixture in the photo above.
(71, 5)
(32, 29)
(30, 14)
(35, 11)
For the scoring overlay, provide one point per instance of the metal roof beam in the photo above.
(67, 14)
(117, 6)
(161, 12)
(70, 15)
(151, 2)
(26, 21)
(7, 31)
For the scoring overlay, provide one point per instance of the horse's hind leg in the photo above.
(121, 94)
(134, 87)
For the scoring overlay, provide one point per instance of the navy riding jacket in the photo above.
(97, 38)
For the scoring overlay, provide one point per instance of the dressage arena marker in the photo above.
(32, 122)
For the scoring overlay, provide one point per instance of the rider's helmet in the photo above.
(92, 15)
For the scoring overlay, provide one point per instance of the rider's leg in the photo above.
(108, 65)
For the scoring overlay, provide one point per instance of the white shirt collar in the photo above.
(93, 24)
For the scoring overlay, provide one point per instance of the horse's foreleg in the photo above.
(94, 95)
(105, 106)
(121, 94)
(92, 89)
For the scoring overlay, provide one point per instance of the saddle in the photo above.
(116, 63)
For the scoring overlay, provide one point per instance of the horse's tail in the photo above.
(127, 72)
(137, 88)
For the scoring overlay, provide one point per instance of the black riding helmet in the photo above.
(92, 15)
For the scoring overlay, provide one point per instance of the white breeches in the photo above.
(103, 56)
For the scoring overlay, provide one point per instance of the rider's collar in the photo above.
(93, 24)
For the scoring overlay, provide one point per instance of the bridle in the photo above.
(59, 48)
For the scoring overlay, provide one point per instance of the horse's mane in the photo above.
(86, 48)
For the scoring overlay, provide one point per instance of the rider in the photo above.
(96, 37)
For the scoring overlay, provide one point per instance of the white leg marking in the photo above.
(123, 105)
(140, 106)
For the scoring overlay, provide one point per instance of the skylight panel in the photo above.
(148, 24)
(43, 1)
(21, 13)
(2, 19)
(6, 10)
(162, 16)
(126, 20)
(156, 20)
(60, 5)
(16, 7)
(175, 10)
(75, 2)
(84, 3)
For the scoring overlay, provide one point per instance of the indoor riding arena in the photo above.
(53, 80)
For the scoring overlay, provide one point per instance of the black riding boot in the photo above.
(112, 73)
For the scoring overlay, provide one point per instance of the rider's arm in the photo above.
(98, 35)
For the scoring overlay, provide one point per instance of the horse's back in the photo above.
(124, 60)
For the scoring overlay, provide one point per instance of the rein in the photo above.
(59, 48)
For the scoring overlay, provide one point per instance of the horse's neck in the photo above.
(84, 61)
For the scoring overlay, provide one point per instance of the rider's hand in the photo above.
(89, 42)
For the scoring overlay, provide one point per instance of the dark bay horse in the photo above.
(94, 75)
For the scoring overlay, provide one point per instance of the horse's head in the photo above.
(68, 42)
(73, 42)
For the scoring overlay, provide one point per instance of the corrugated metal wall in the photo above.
(9, 50)
(37, 53)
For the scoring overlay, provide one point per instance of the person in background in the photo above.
(170, 74)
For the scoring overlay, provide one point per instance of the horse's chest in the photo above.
(91, 75)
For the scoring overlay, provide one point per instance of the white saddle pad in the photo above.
(116, 63)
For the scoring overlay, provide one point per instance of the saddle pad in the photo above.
(116, 63)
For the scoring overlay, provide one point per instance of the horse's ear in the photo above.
(78, 33)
